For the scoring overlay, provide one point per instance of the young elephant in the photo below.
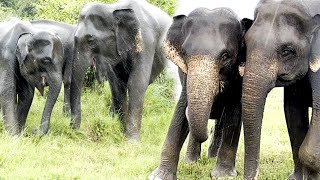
(127, 38)
(28, 59)
(66, 34)
(208, 47)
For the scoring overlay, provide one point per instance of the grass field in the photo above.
(99, 151)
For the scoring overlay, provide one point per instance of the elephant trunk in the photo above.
(257, 82)
(80, 64)
(55, 82)
(202, 87)
(309, 152)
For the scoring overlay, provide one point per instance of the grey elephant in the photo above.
(127, 36)
(65, 32)
(283, 50)
(208, 47)
(29, 58)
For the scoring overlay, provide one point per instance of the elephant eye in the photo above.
(288, 51)
(46, 60)
(225, 58)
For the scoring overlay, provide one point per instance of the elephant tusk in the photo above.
(44, 81)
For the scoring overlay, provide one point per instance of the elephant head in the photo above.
(40, 59)
(206, 46)
(279, 53)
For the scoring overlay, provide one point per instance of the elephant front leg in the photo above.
(231, 123)
(296, 113)
(25, 97)
(119, 97)
(175, 138)
(9, 114)
(66, 105)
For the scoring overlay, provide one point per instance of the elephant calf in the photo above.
(208, 47)
(65, 32)
(29, 58)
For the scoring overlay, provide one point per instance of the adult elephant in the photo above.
(66, 34)
(127, 36)
(208, 47)
(29, 58)
(281, 45)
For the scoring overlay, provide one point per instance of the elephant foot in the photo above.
(192, 156)
(38, 132)
(133, 138)
(162, 174)
(74, 125)
(212, 152)
(67, 111)
(314, 176)
(220, 171)
(295, 176)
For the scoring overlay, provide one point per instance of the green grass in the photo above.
(99, 150)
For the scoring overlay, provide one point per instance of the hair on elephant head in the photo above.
(40, 57)
(206, 45)
(282, 45)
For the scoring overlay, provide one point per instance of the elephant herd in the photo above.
(227, 67)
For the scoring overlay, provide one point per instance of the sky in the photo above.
(244, 8)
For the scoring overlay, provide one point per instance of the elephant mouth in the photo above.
(286, 79)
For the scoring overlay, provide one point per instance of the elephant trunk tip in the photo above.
(200, 135)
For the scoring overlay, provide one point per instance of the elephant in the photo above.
(66, 34)
(207, 46)
(125, 37)
(29, 58)
(282, 51)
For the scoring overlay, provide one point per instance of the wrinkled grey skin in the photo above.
(28, 58)
(126, 36)
(208, 48)
(286, 52)
(66, 35)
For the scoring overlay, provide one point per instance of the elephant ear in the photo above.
(314, 62)
(128, 33)
(23, 49)
(58, 51)
(174, 41)
(245, 26)
(12, 37)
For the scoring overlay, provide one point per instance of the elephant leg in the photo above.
(215, 140)
(9, 114)
(66, 104)
(67, 80)
(175, 138)
(25, 97)
(231, 122)
(137, 86)
(296, 113)
(118, 86)
(193, 150)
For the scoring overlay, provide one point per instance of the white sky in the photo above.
(244, 8)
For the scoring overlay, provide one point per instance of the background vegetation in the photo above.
(98, 150)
